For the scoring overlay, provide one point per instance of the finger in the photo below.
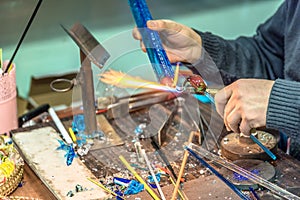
(233, 121)
(245, 127)
(142, 45)
(221, 99)
(229, 110)
(136, 34)
(164, 25)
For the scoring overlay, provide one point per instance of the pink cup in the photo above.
(8, 101)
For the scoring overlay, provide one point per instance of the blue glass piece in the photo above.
(62, 146)
(156, 54)
(70, 155)
(211, 99)
(78, 124)
(254, 193)
(202, 98)
(152, 185)
(121, 181)
(134, 188)
(120, 194)
(138, 130)
(70, 152)
(268, 151)
(151, 179)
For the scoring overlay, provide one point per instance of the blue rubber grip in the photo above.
(156, 54)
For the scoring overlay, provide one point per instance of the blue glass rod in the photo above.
(156, 53)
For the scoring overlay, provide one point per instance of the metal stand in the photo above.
(87, 93)
(90, 52)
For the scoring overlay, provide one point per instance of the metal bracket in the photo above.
(91, 51)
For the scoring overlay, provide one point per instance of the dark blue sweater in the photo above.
(272, 53)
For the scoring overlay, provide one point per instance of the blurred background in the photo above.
(47, 50)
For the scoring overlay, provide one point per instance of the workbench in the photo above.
(205, 187)
(200, 187)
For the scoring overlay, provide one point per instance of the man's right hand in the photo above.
(181, 43)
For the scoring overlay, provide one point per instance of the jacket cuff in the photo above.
(284, 106)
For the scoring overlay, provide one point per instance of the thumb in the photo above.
(154, 24)
(167, 26)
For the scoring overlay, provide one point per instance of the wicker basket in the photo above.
(12, 182)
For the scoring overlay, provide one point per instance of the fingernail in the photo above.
(151, 23)
(227, 128)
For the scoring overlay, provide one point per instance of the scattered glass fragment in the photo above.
(121, 181)
(151, 179)
(70, 152)
(78, 188)
(78, 124)
(134, 188)
(70, 194)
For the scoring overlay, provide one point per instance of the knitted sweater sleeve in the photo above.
(284, 108)
(259, 56)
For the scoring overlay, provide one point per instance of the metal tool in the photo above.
(91, 49)
(32, 113)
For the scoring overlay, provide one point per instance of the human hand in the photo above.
(243, 104)
(180, 42)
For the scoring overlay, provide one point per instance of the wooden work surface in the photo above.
(32, 187)
(204, 187)
(211, 188)
(207, 187)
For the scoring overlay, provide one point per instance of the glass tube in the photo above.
(156, 54)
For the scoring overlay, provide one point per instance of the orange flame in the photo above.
(123, 80)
